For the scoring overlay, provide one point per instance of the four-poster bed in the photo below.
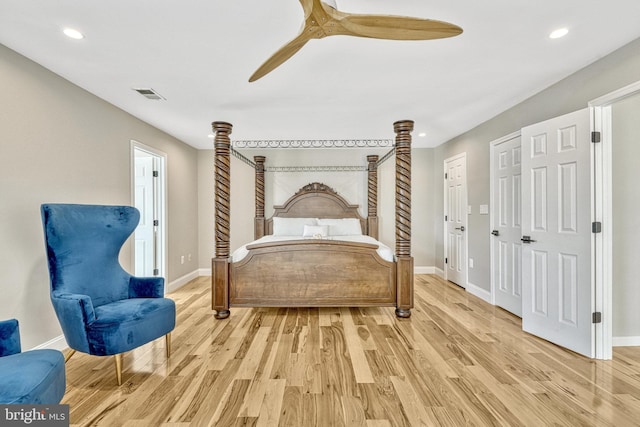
(312, 272)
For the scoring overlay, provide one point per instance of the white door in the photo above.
(144, 201)
(456, 220)
(506, 204)
(556, 219)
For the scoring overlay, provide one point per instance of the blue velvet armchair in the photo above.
(33, 377)
(103, 310)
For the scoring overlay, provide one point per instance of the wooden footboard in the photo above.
(312, 273)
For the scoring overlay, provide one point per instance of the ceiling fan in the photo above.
(323, 19)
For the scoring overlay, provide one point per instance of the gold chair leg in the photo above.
(167, 339)
(118, 358)
(67, 356)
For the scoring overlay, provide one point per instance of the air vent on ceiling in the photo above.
(149, 93)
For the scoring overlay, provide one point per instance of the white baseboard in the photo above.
(181, 281)
(439, 272)
(57, 343)
(625, 341)
(424, 270)
(204, 272)
(479, 292)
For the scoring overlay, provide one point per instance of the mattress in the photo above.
(384, 251)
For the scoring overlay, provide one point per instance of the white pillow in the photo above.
(342, 226)
(315, 231)
(291, 226)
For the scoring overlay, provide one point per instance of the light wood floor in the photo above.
(457, 361)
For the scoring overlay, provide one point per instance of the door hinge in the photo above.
(596, 317)
(155, 174)
(446, 218)
(596, 227)
(595, 136)
(446, 175)
(446, 260)
(156, 272)
(156, 223)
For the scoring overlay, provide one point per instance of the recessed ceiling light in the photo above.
(560, 32)
(422, 134)
(74, 34)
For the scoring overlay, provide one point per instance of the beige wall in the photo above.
(61, 144)
(626, 227)
(279, 186)
(614, 71)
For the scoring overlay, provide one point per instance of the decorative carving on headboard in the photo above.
(316, 200)
(316, 186)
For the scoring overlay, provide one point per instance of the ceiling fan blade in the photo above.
(307, 6)
(396, 27)
(284, 53)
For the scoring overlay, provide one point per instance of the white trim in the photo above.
(424, 270)
(439, 272)
(57, 343)
(479, 292)
(492, 215)
(204, 272)
(616, 95)
(181, 281)
(602, 244)
(462, 155)
(603, 211)
(626, 341)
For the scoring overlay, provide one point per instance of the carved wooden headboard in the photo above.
(316, 200)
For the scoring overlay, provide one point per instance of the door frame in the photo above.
(602, 181)
(160, 201)
(466, 222)
(492, 214)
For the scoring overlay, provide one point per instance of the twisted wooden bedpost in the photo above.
(372, 196)
(220, 264)
(403, 218)
(258, 229)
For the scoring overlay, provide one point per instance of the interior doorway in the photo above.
(455, 211)
(614, 118)
(148, 193)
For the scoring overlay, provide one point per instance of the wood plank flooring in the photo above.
(457, 361)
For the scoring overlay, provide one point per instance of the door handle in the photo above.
(527, 239)
(495, 232)
(461, 228)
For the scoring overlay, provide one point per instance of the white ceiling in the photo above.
(199, 54)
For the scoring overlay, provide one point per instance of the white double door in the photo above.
(555, 234)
